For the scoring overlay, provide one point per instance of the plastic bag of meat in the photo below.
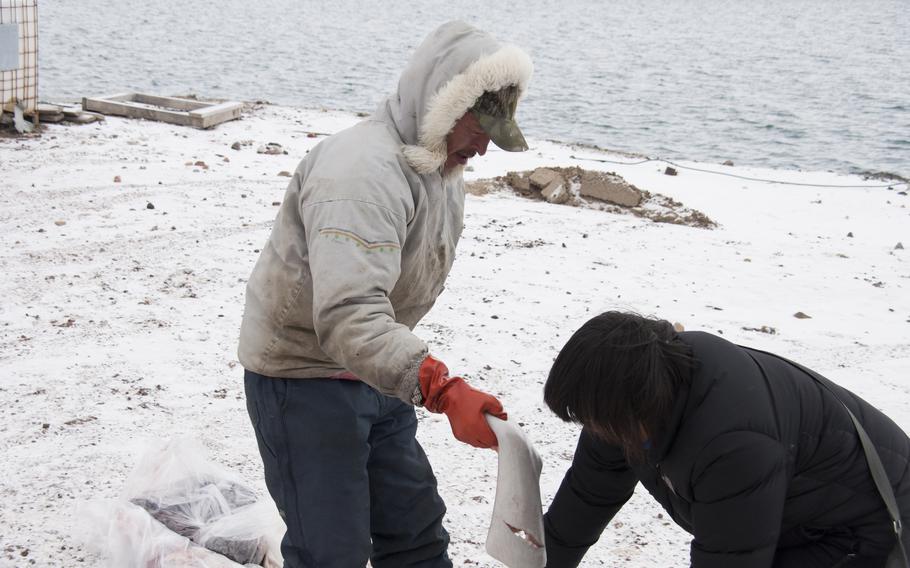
(198, 505)
(128, 536)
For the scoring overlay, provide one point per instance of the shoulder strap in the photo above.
(879, 476)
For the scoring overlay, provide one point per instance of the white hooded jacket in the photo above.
(366, 234)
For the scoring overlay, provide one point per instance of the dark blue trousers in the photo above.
(344, 467)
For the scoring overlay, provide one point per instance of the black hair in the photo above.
(618, 376)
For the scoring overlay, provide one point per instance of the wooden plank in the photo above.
(127, 96)
(169, 102)
(174, 110)
(49, 113)
(216, 114)
(134, 110)
(47, 108)
(71, 112)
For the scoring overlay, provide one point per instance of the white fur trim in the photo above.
(507, 66)
(422, 160)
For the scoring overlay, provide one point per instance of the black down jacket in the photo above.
(754, 451)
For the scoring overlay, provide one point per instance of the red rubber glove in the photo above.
(463, 405)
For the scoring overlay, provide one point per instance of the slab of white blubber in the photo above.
(516, 535)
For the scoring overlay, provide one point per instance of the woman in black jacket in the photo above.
(744, 450)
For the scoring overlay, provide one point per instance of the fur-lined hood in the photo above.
(453, 66)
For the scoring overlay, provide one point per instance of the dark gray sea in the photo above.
(796, 84)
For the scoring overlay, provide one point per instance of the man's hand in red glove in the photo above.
(464, 406)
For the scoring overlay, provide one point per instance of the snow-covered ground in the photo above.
(121, 303)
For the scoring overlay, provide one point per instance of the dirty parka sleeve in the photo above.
(355, 260)
(593, 490)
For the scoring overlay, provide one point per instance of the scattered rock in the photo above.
(802, 316)
(556, 191)
(60, 223)
(609, 187)
(525, 244)
(591, 189)
(284, 173)
(850, 234)
(312, 135)
(899, 246)
(201, 164)
(519, 181)
(543, 177)
(276, 203)
(235, 146)
(764, 329)
(272, 148)
(116, 179)
(728, 163)
(678, 327)
(78, 421)
(885, 176)
(476, 188)
(149, 205)
(670, 171)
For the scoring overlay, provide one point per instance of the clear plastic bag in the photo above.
(180, 509)
(255, 530)
(129, 537)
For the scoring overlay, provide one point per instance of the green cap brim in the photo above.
(503, 132)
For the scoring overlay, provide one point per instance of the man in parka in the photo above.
(754, 455)
(358, 254)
